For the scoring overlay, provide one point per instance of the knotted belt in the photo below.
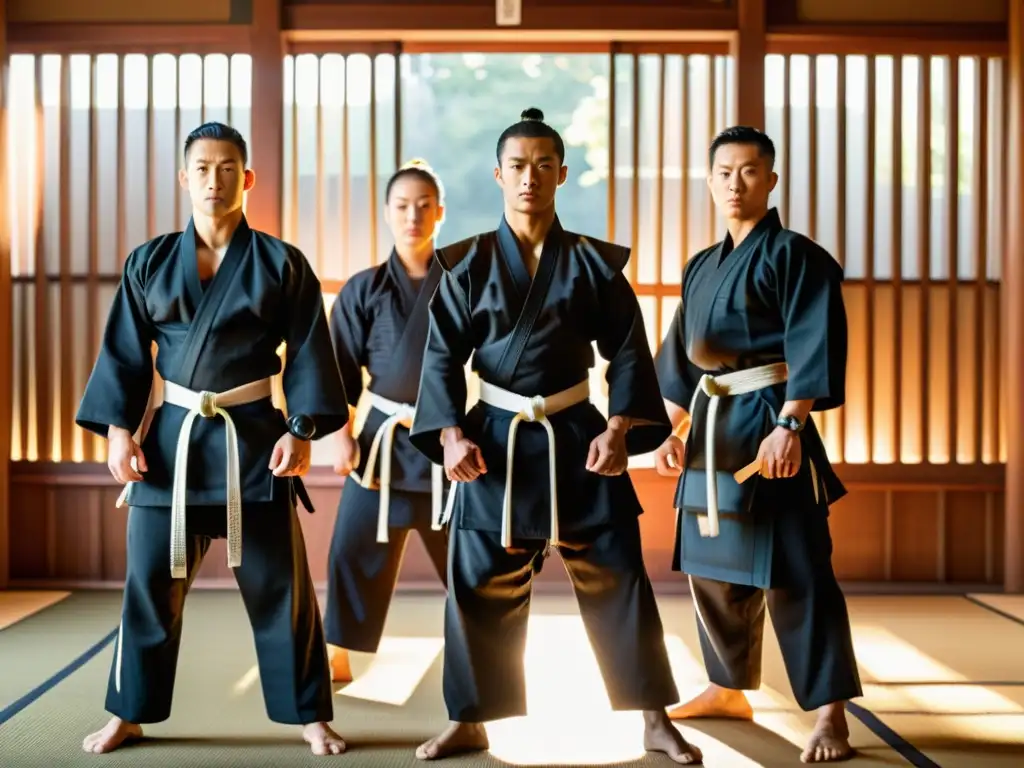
(382, 445)
(533, 409)
(717, 387)
(209, 405)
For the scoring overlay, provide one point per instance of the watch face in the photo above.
(790, 423)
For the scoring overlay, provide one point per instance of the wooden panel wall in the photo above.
(911, 526)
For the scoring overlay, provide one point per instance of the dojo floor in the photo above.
(944, 685)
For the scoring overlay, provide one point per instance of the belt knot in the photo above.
(711, 387)
(207, 404)
(534, 410)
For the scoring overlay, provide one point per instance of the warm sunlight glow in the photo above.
(570, 719)
(968, 711)
(397, 669)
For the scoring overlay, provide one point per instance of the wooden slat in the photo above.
(612, 154)
(634, 192)
(896, 252)
(979, 196)
(151, 154)
(293, 207)
(1004, 241)
(709, 236)
(263, 206)
(41, 292)
(92, 451)
(787, 134)
(869, 260)
(68, 389)
(120, 215)
(886, 40)
(840, 418)
(346, 170)
(684, 164)
(924, 192)
(952, 236)
(87, 38)
(659, 195)
(178, 154)
(397, 54)
(202, 90)
(372, 207)
(320, 119)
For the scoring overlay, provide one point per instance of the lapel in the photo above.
(726, 258)
(414, 316)
(206, 302)
(405, 292)
(532, 294)
(513, 258)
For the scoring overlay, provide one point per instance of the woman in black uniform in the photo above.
(379, 322)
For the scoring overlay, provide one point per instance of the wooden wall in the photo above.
(926, 502)
(898, 526)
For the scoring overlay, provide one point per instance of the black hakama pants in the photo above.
(276, 587)
(488, 608)
(362, 573)
(807, 607)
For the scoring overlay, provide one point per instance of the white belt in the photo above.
(383, 440)
(208, 405)
(717, 387)
(535, 409)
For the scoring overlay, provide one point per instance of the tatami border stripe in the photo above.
(13, 709)
(908, 751)
(993, 609)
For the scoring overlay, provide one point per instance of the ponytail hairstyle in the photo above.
(531, 125)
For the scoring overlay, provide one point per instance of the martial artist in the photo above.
(217, 300)
(379, 322)
(534, 463)
(758, 343)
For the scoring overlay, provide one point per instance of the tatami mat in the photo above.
(15, 606)
(942, 672)
(1011, 605)
(40, 646)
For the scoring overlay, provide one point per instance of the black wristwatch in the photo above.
(792, 423)
(301, 426)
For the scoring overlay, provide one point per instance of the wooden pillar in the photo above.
(1013, 309)
(263, 208)
(6, 326)
(747, 49)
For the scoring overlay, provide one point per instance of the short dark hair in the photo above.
(421, 170)
(219, 132)
(531, 125)
(743, 134)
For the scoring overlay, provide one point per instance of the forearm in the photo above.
(678, 417)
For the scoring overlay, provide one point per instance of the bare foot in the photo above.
(716, 702)
(661, 736)
(114, 734)
(341, 670)
(322, 740)
(456, 739)
(830, 741)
